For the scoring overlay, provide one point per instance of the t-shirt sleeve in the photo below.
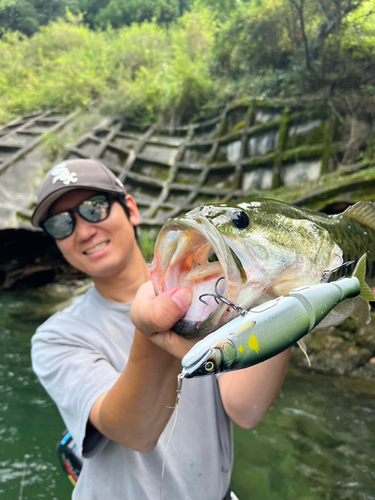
(75, 375)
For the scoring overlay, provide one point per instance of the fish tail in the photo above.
(360, 274)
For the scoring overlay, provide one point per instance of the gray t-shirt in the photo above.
(78, 354)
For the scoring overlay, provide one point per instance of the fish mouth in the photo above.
(185, 254)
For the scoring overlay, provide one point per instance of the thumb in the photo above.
(152, 314)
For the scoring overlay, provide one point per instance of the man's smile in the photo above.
(96, 248)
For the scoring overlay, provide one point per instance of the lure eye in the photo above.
(209, 366)
(240, 219)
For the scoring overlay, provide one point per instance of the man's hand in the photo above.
(155, 316)
(135, 411)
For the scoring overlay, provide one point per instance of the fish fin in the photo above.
(363, 212)
(246, 326)
(362, 313)
(340, 312)
(302, 346)
(360, 274)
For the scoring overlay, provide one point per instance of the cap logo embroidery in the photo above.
(61, 173)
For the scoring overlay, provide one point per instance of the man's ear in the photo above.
(134, 216)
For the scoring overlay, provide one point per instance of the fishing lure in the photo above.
(272, 327)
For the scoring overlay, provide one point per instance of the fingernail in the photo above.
(182, 297)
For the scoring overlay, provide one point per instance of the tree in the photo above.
(333, 13)
(125, 12)
(27, 16)
(18, 15)
(91, 8)
(299, 6)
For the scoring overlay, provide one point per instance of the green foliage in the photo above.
(253, 39)
(293, 47)
(27, 16)
(100, 13)
(359, 34)
(176, 80)
(221, 9)
(54, 143)
(178, 71)
(146, 240)
(64, 65)
(125, 12)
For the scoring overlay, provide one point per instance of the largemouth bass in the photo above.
(264, 249)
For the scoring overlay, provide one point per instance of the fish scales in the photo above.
(350, 235)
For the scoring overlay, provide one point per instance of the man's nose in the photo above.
(83, 228)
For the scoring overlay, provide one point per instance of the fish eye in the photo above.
(209, 366)
(240, 219)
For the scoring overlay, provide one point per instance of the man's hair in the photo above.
(122, 201)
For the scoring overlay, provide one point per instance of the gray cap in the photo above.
(73, 174)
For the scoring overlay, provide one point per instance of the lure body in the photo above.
(266, 330)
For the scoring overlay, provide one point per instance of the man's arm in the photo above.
(134, 411)
(247, 394)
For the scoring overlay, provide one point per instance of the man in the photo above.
(113, 382)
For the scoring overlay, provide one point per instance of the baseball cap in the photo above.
(74, 174)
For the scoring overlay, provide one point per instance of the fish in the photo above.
(263, 249)
(272, 327)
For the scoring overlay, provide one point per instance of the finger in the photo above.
(173, 343)
(152, 314)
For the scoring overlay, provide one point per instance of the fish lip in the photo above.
(191, 329)
(202, 226)
(161, 265)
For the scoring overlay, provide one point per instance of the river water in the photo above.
(316, 442)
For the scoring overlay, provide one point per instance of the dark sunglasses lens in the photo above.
(59, 226)
(94, 209)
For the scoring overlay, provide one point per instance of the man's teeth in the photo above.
(98, 247)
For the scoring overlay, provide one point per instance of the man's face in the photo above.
(100, 249)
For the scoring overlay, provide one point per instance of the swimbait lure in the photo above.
(272, 327)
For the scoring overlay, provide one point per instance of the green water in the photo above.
(317, 442)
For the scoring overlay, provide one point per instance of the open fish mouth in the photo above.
(183, 252)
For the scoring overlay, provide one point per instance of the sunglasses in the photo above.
(61, 225)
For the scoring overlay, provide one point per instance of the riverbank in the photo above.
(344, 350)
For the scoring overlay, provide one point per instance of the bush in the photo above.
(253, 39)
(175, 81)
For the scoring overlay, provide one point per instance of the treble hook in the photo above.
(326, 274)
(217, 296)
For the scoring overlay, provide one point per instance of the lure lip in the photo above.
(196, 362)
